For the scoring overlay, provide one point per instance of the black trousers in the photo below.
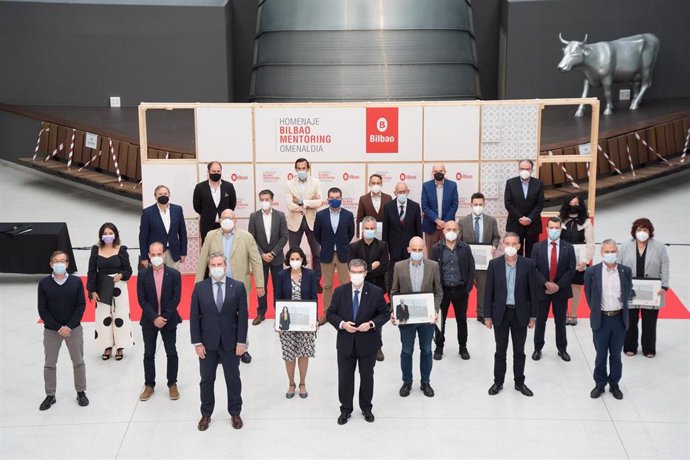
(263, 301)
(560, 308)
(510, 326)
(346, 380)
(527, 240)
(295, 239)
(458, 296)
(150, 335)
(231, 368)
(648, 339)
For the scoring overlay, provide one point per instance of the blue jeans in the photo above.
(408, 333)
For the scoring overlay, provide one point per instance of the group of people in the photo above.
(422, 249)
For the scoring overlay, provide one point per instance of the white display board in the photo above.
(451, 133)
(350, 178)
(466, 176)
(224, 134)
(180, 176)
(241, 176)
(392, 173)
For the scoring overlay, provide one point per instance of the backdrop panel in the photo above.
(466, 176)
(510, 132)
(350, 178)
(224, 134)
(274, 176)
(451, 133)
(180, 176)
(241, 175)
(392, 173)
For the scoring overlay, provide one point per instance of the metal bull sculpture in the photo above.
(628, 59)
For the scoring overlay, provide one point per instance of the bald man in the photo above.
(439, 205)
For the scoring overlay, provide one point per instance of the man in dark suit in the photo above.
(163, 222)
(373, 202)
(555, 262)
(269, 228)
(357, 312)
(334, 228)
(212, 197)
(402, 221)
(479, 228)
(375, 253)
(218, 326)
(524, 200)
(158, 291)
(439, 205)
(402, 312)
(608, 289)
(510, 308)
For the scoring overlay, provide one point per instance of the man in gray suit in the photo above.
(269, 228)
(479, 228)
(417, 275)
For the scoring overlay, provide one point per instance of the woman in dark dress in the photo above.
(109, 270)
(284, 321)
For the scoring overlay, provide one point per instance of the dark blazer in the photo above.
(206, 207)
(430, 204)
(372, 307)
(490, 233)
(170, 297)
(279, 235)
(365, 207)
(379, 251)
(541, 256)
(402, 314)
(465, 259)
(593, 292)
(495, 292)
(284, 323)
(398, 234)
(283, 288)
(151, 229)
(518, 206)
(213, 329)
(323, 232)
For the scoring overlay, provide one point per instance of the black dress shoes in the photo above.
(428, 391)
(342, 418)
(438, 354)
(203, 423)
(464, 354)
(564, 355)
(236, 422)
(246, 357)
(617, 393)
(536, 355)
(368, 416)
(524, 390)
(47, 403)
(596, 392)
(405, 390)
(379, 355)
(82, 400)
(480, 319)
(495, 388)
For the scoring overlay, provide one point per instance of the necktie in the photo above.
(476, 230)
(402, 212)
(554, 263)
(219, 296)
(355, 305)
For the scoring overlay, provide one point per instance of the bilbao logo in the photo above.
(382, 130)
(458, 175)
(233, 177)
(290, 176)
(402, 177)
(346, 176)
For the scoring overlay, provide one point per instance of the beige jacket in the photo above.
(310, 193)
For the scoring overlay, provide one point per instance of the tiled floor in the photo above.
(462, 421)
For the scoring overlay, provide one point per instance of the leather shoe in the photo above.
(146, 393)
(237, 422)
(524, 390)
(203, 423)
(428, 391)
(82, 400)
(405, 390)
(617, 393)
(536, 355)
(258, 320)
(464, 354)
(596, 392)
(368, 416)
(246, 357)
(47, 403)
(480, 319)
(379, 355)
(564, 355)
(495, 388)
(323, 320)
(438, 354)
(342, 418)
(319, 289)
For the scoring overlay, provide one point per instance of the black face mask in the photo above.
(574, 209)
(439, 176)
(215, 177)
(163, 199)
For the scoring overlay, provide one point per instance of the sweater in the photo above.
(61, 305)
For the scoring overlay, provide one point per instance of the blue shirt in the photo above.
(416, 276)
(525, 187)
(228, 240)
(510, 283)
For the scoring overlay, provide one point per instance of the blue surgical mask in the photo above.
(416, 256)
(302, 175)
(335, 203)
(610, 258)
(369, 234)
(402, 198)
(554, 233)
(217, 272)
(59, 268)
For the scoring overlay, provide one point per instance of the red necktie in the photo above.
(554, 263)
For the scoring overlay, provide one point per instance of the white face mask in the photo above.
(642, 236)
(510, 251)
(266, 205)
(451, 236)
(357, 279)
(477, 210)
(375, 189)
(524, 174)
(156, 261)
(227, 224)
(296, 264)
(217, 273)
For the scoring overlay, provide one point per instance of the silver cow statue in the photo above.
(628, 59)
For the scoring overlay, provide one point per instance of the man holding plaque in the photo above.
(411, 276)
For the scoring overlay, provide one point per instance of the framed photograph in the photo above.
(414, 308)
(647, 292)
(482, 255)
(295, 315)
(379, 230)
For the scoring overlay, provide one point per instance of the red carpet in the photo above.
(674, 308)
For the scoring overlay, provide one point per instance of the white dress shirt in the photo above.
(376, 201)
(610, 289)
(268, 220)
(165, 217)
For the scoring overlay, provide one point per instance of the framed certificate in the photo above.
(647, 292)
(414, 308)
(295, 315)
(482, 255)
(379, 230)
